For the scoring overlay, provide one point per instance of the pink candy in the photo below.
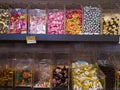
(37, 24)
(56, 22)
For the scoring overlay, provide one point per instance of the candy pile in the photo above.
(18, 21)
(118, 78)
(91, 21)
(111, 25)
(55, 21)
(6, 77)
(4, 21)
(74, 21)
(23, 78)
(85, 76)
(60, 77)
(37, 21)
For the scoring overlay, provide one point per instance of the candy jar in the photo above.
(55, 21)
(4, 20)
(111, 23)
(85, 74)
(73, 22)
(60, 72)
(37, 21)
(91, 20)
(42, 70)
(24, 72)
(18, 21)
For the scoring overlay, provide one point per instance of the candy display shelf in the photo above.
(61, 38)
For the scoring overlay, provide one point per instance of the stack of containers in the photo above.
(86, 75)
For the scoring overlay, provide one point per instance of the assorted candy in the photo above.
(4, 21)
(111, 24)
(23, 78)
(18, 21)
(55, 21)
(91, 20)
(118, 78)
(60, 77)
(37, 23)
(74, 21)
(85, 77)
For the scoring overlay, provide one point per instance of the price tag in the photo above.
(119, 39)
(31, 39)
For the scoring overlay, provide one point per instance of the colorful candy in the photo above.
(37, 23)
(91, 20)
(4, 21)
(18, 21)
(60, 77)
(85, 77)
(111, 24)
(74, 21)
(55, 22)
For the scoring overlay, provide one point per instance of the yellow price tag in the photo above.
(31, 39)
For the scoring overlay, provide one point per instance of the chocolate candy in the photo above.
(91, 23)
(111, 24)
(4, 21)
(18, 21)
(55, 21)
(23, 78)
(60, 77)
(85, 77)
(37, 23)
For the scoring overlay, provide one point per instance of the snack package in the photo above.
(111, 23)
(55, 21)
(4, 20)
(37, 21)
(73, 23)
(60, 73)
(91, 20)
(42, 71)
(18, 21)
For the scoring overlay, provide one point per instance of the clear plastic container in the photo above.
(37, 21)
(61, 70)
(18, 21)
(86, 75)
(24, 70)
(42, 70)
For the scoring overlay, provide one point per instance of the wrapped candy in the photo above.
(18, 21)
(56, 21)
(111, 24)
(85, 77)
(91, 20)
(37, 23)
(74, 21)
(4, 21)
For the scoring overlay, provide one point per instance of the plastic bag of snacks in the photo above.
(111, 23)
(18, 21)
(24, 72)
(86, 75)
(4, 20)
(37, 21)
(42, 70)
(60, 73)
(6, 70)
(56, 21)
(91, 20)
(73, 21)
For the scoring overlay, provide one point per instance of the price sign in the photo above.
(31, 39)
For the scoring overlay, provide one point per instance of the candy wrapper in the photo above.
(111, 24)
(23, 73)
(18, 21)
(74, 21)
(85, 77)
(91, 20)
(4, 21)
(37, 21)
(55, 21)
